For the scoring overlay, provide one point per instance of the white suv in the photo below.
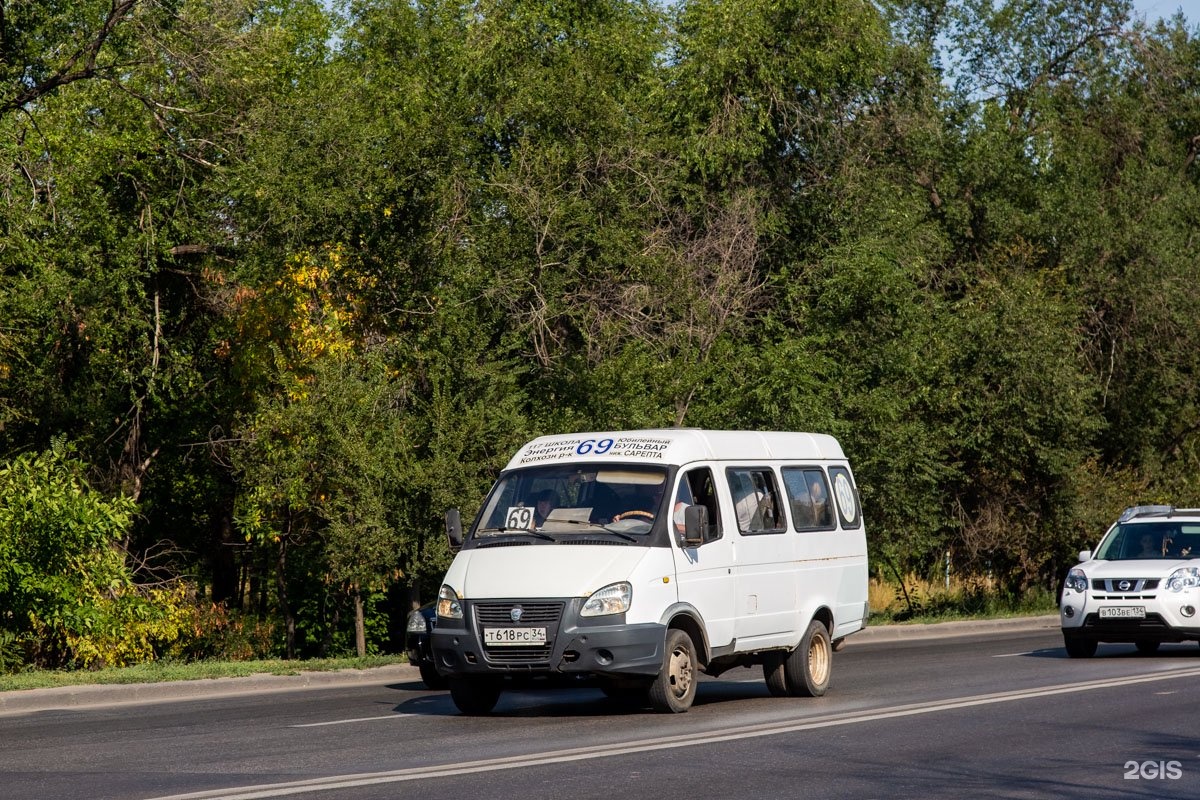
(1141, 585)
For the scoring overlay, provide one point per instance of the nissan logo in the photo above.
(1123, 586)
(515, 613)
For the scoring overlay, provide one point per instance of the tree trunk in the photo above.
(285, 607)
(360, 628)
(223, 562)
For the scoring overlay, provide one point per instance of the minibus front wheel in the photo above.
(475, 696)
(674, 689)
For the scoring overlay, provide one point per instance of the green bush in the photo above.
(63, 576)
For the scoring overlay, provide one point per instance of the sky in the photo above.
(1153, 9)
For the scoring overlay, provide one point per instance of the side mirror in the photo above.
(1085, 555)
(454, 530)
(695, 525)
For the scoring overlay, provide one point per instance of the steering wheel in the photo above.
(637, 512)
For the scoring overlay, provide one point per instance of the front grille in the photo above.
(1125, 585)
(535, 615)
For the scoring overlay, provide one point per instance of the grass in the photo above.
(163, 671)
(923, 600)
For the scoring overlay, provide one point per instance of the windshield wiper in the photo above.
(515, 532)
(621, 534)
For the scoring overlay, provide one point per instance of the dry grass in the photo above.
(923, 599)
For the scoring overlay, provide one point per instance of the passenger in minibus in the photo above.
(820, 501)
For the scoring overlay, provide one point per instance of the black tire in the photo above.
(674, 689)
(624, 695)
(1080, 646)
(431, 677)
(1147, 647)
(774, 674)
(810, 665)
(475, 696)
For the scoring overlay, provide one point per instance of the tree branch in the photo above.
(80, 66)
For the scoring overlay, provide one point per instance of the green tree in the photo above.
(117, 245)
(48, 45)
(319, 468)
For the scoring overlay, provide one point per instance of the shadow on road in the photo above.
(532, 700)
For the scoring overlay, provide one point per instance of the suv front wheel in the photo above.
(1080, 646)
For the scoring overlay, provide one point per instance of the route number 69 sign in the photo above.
(519, 517)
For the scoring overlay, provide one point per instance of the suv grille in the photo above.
(1123, 586)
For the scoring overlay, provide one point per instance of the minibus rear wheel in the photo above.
(775, 673)
(809, 666)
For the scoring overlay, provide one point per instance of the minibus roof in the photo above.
(669, 446)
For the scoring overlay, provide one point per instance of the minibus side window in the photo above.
(808, 494)
(756, 499)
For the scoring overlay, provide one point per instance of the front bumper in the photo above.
(1163, 620)
(604, 646)
(1152, 628)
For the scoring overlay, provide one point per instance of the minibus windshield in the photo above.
(564, 499)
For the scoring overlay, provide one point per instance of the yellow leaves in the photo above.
(213, 276)
(313, 310)
(133, 625)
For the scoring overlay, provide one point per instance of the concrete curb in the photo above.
(967, 627)
(26, 701)
(97, 695)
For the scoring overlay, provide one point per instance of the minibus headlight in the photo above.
(1076, 580)
(1184, 578)
(448, 606)
(612, 599)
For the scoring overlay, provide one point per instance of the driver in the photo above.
(647, 505)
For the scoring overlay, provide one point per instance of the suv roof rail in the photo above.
(1144, 511)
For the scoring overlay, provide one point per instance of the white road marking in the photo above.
(348, 721)
(269, 790)
(1013, 655)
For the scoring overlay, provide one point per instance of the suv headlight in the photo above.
(1184, 578)
(612, 599)
(1076, 580)
(448, 604)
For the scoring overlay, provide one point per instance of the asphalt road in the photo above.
(990, 713)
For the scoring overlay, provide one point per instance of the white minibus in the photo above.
(639, 559)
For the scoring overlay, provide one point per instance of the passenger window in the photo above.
(756, 500)
(808, 494)
(697, 487)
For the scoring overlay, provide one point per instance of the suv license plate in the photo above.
(1123, 612)
(513, 637)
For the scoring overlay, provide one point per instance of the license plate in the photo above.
(1123, 612)
(513, 637)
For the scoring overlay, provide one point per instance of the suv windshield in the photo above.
(570, 498)
(1142, 540)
